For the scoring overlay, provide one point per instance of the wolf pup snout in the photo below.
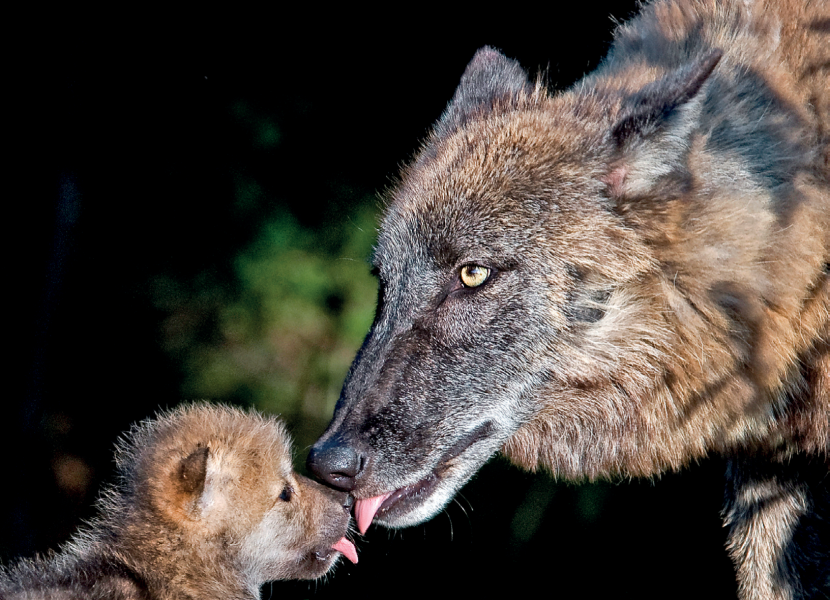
(207, 506)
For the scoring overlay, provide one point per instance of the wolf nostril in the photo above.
(336, 464)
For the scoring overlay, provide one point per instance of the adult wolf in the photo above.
(616, 280)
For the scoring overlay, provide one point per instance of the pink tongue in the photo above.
(347, 548)
(364, 511)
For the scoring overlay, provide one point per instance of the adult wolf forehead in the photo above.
(478, 193)
(504, 158)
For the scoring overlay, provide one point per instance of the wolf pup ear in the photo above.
(655, 125)
(192, 472)
(490, 78)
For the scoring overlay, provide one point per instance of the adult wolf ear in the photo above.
(654, 128)
(489, 79)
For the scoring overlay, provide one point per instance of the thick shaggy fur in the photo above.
(656, 250)
(207, 506)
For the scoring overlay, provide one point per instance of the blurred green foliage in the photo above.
(284, 338)
(279, 328)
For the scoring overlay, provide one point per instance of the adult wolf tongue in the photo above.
(365, 509)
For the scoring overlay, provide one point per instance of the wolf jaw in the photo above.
(415, 503)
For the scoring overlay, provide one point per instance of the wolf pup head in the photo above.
(498, 257)
(221, 480)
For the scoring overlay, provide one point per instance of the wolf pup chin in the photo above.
(207, 506)
(616, 280)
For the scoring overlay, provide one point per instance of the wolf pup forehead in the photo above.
(616, 280)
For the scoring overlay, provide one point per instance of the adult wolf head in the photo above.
(496, 260)
(584, 280)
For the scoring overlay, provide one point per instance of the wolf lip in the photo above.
(365, 509)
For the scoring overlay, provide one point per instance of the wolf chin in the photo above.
(616, 280)
(208, 506)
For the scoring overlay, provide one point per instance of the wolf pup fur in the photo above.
(207, 506)
(616, 280)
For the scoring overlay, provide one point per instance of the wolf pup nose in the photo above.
(207, 506)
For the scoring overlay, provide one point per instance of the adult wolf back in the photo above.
(616, 280)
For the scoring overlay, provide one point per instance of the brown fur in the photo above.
(208, 506)
(658, 243)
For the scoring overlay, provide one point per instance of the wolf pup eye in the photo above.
(474, 275)
(286, 494)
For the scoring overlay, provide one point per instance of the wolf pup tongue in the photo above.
(365, 509)
(347, 548)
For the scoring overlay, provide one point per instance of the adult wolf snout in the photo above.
(399, 476)
(336, 462)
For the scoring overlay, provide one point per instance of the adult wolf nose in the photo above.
(336, 463)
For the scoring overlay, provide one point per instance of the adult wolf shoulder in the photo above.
(208, 506)
(616, 280)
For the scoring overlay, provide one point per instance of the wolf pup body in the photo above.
(208, 506)
(616, 280)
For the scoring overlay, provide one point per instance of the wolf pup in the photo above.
(207, 506)
(616, 280)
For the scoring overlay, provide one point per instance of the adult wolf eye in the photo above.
(286, 494)
(474, 275)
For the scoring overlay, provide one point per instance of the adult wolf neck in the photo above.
(724, 373)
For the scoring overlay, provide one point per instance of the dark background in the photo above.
(134, 130)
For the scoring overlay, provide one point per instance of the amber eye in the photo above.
(286, 494)
(474, 275)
